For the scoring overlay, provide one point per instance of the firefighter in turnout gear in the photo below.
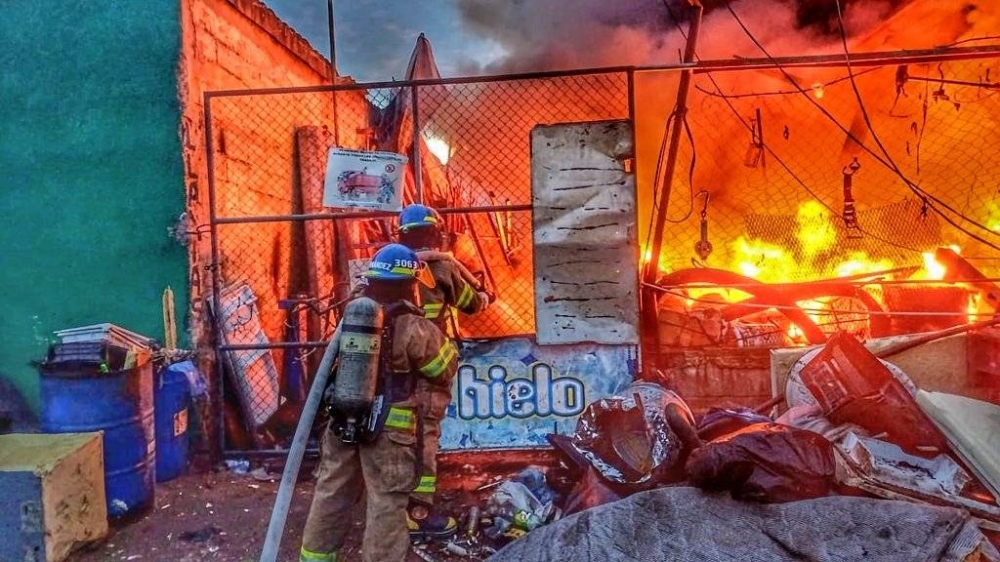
(371, 445)
(423, 229)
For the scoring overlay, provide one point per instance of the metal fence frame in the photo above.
(629, 72)
(414, 87)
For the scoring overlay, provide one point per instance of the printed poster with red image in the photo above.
(369, 180)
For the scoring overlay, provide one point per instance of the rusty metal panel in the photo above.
(586, 256)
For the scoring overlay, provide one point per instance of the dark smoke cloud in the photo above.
(561, 34)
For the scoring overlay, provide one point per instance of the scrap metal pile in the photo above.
(853, 458)
(713, 307)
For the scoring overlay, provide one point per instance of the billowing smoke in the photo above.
(562, 34)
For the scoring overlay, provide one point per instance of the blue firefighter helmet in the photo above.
(419, 216)
(393, 262)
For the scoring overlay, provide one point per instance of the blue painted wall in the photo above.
(91, 174)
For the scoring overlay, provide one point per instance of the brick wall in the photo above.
(242, 45)
(237, 45)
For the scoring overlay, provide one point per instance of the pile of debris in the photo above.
(858, 461)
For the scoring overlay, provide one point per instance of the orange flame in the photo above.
(816, 238)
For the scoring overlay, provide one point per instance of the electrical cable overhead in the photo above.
(778, 159)
(802, 182)
(687, 130)
(675, 118)
(871, 129)
(972, 39)
(925, 197)
(779, 92)
(656, 178)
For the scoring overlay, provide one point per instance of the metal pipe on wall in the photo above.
(417, 169)
(217, 442)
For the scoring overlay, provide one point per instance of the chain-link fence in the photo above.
(787, 173)
(816, 169)
(284, 262)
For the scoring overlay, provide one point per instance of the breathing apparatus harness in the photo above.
(360, 405)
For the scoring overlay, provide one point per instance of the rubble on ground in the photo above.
(860, 460)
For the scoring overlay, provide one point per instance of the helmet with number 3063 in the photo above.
(393, 262)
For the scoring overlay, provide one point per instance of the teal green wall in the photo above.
(91, 172)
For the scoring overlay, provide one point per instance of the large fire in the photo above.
(814, 253)
(817, 240)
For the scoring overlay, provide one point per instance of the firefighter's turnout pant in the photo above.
(387, 469)
(435, 397)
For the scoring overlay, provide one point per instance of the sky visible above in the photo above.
(375, 37)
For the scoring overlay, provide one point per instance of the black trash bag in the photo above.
(723, 421)
(639, 438)
(766, 462)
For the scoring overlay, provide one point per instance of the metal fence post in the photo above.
(417, 179)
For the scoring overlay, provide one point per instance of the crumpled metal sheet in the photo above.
(628, 438)
(884, 461)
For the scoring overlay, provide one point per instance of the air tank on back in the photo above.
(356, 379)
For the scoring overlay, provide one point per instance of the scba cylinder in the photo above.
(356, 380)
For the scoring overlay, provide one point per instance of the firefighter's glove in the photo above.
(487, 297)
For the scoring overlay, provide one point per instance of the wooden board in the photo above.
(972, 427)
(584, 219)
(314, 145)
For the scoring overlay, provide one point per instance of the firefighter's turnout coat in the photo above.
(386, 469)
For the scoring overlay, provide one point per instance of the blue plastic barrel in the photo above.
(171, 395)
(119, 403)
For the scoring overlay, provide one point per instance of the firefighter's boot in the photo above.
(425, 523)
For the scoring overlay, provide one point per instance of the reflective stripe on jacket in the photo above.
(450, 290)
(420, 347)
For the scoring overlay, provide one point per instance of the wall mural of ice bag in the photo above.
(371, 180)
(511, 393)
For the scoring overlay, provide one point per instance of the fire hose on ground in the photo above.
(286, 490)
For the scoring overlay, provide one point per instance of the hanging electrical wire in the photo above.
(777, 158)
(802, 182)
(674, 119)
(659, 167)
(871, 129)
(972, 40)
(780, 92)
(690, 136)
(927, 198)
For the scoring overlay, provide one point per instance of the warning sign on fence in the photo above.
(372, 180)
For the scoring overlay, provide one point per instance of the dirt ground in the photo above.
(218, 517)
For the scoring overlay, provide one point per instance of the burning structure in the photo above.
(810, 194)
(791, 199)
(856, 201)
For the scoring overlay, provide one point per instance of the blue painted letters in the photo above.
(541, 394)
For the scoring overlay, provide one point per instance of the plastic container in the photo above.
(78, 398)
(172, 395)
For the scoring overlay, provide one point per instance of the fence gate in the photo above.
(284, 263)
(789, 170)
